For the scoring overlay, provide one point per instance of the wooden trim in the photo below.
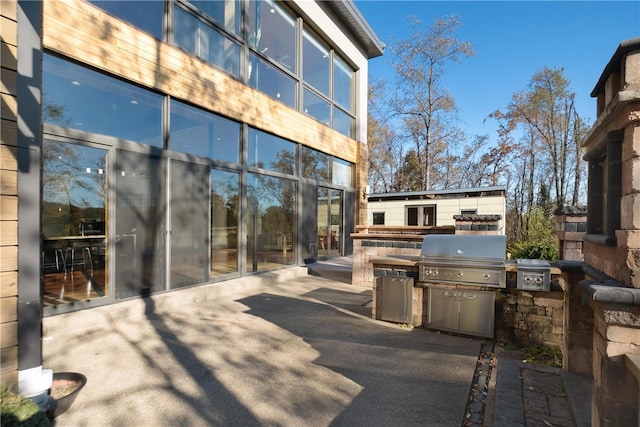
(81, 31)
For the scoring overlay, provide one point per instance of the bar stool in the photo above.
(59, 260)
(71, 261)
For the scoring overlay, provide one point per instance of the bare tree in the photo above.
(546, 114)
(421, 97)
(385, 150)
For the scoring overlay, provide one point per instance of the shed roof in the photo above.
(436, 194)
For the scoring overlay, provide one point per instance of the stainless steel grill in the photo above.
(463, 259)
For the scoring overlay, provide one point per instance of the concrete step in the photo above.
(338, 269)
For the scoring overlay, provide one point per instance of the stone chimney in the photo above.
(612, 148)
(612, 243)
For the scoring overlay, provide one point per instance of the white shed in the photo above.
(436, 207)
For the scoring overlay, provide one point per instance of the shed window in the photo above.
(378, 218)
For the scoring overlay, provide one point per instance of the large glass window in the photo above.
(140, 234)
(198, 37)
(198, 132)
(342, 173)
(225, 201)
(74, 232)
(342, 122)
(189, 223)
(226, 13)
(315, 63)
(146, 15)
(271, 213)
(316, 107)
(270, 152)
(342, 84)
(79, 98)
(315, 164)
(272, 32)
(212, 31)
(271, 81)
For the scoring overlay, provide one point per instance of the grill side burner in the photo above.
(460, 259)
(533, 274)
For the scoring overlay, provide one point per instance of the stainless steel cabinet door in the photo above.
(444, 309)
(477, 312)
(397, 294)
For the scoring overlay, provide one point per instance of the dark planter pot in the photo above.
(65, 387)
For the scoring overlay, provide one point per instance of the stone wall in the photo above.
(478, 224)
(529, 318)
(366, 249)
(616, 332)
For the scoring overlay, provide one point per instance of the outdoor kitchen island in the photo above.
(477, 292)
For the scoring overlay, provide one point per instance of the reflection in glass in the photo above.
(271, 81)
(342, 84)
(271, 213)
(272, 32)
(140, 217)
(315, 63)
(74, 204)
(323, 223)
(226, 13)
(315, 164)
(205, 42)
(329, 222)
(79, 98)
(316, 107)
(225, 196)
(198, 132)
(146, 15)
(189, 223)
(342, 122)
(342, 173)
(336, 222)
(270, 152)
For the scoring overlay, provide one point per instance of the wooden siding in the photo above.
(8, 195)
(81, 31)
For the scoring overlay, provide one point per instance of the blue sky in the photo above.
(512, 40)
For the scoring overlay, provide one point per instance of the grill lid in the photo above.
(464, 246)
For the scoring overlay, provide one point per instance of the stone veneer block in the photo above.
(630, 212)
(632, 72)
(632, 148)
(631, 175)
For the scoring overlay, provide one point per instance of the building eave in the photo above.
(350, 16)
(615, 63)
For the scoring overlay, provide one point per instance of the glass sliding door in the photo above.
(330, 223)
(74, 232)
(225, 199)
(140, 231)
(335, 219)
(189, 223)
(323, 222)
(271, 226)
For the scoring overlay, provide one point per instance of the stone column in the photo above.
(571, 228)
(477, 224)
